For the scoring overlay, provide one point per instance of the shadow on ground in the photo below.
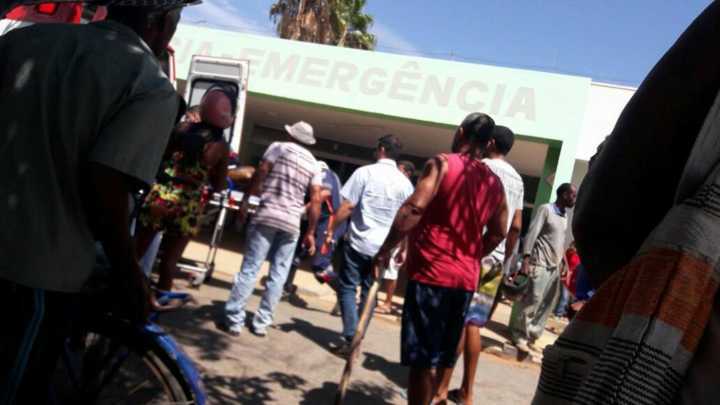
(393, 371)
(259, 390)
(499, 328)
(189, 325)
(249, 390)
(323, 337)
(359, 393)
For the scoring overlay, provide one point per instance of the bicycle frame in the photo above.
(185, 364)
(150, 331)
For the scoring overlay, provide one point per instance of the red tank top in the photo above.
(446, 245)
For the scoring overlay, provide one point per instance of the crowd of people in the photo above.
(434, 234)
(454, 235)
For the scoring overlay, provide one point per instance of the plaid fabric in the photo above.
(634, 340)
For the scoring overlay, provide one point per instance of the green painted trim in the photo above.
(529, 138)
(545, 189)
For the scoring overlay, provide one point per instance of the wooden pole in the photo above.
(357, 340)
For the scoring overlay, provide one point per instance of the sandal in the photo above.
(383, 310)
(456, 396)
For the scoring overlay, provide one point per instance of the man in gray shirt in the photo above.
(85, 115)
(543, 251)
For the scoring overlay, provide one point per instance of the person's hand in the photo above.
(242, 213)
(380, 261)
(329, 237)
(525, 267)
(400, 257)
(132, 294)
(309, 243)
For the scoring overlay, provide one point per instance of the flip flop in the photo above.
(383, 311)
(455, 396)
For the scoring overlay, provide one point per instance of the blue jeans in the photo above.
(561, 307)
(262, 242)
(356, 270)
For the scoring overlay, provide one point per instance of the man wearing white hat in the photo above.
(287, 172)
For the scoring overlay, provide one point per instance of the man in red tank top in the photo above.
(456, 216)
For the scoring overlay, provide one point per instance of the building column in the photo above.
(548, 178)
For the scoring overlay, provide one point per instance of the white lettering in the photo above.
(462, 97)
(341, 74)
(523, 103)
(254, 56)
(372, 87)
(400, 83)
(497, 99)
(275, 67)
(441, 93)
(311, 73)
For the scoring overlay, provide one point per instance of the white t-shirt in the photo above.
(514, 194)
(377, 191)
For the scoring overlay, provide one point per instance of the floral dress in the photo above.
(176, 202)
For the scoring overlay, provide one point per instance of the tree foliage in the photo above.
(331, 22)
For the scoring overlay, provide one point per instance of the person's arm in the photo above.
(412, 210)
(313, 215)
(531, 237)
(513, 234)
(350, 193)
(273, 152)
(496, 228)
(255, 187)
(128, 148)
(109, 216)
(217, 154)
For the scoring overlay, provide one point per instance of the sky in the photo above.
(610, 41)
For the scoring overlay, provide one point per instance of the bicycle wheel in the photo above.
(113, 363)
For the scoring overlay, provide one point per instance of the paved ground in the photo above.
(293, 364)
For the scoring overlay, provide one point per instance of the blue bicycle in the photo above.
(108, 360)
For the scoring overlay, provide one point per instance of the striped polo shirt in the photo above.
(294, 170)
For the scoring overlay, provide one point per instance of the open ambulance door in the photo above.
(206, 71)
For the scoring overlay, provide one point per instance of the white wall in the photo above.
(605, 103)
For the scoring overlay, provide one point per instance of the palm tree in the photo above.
(353, 25)
(332, 22)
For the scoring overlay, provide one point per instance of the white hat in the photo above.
(302, 132)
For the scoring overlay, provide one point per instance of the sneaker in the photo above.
(522, 345)
(325, 276)
(223, 326)
(261, 332)
(344, 350)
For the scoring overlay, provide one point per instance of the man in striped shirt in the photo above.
(286, 174)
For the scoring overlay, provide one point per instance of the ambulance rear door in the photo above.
(206, 71)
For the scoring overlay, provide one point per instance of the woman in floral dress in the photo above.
(196, 157)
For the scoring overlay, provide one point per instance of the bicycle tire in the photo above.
(155, 358)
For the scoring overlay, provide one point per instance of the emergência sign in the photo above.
(409, 83)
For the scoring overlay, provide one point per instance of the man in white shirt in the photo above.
(371, 198)
(479, 312)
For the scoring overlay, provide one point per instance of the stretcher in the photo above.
(224, 201)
